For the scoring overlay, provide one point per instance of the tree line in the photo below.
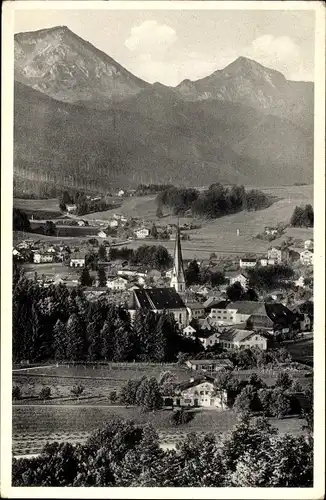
(145, 189)
(83, 204)
(124, 453)
(212, 203)
(303, 216)
(55, 323)
(151, 256)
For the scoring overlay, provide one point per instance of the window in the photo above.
(211, 341)
(206, 392)
(201, 393)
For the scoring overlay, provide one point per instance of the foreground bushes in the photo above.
(126, 454)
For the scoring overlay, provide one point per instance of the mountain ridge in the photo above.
(80, 115)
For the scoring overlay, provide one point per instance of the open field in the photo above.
(34, 426)
(219, 235)
(47, 205)
(301, 350)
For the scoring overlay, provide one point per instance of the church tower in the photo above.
(178, 281)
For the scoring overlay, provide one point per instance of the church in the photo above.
(165, 299)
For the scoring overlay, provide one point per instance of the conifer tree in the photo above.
(85, 278)
(60, 340)
(101, 276)
(75, 336)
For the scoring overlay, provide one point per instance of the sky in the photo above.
(170, 46)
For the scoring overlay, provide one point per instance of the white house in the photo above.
(307, 258)
(121, 192)
(16, 252)
(299, 282)
(309, 245)
(81, 223)
(278, 255)
(71, 208)
(42, 258)
(101, 234)
(237, 277)
(208, 338)
(77, 260)
(142, 232)
(113, 223)
(241, 339)
(200, 392)
(209, 365)
(247, 263)
(189, 331)
(265, 261)
(270, 231)
(117, 283)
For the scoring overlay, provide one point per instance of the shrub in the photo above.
(113, 396)
(16, 392)
(181, 417)
(45, 393)
(77, 390)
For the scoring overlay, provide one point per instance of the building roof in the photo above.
(245, 259)
(233, 274)
(183, 386)
(221, 304)
(235, 335)
(158, 298)
(78, 255)
(205, 334)
(218, 362)
(279, 313)
(245, 306)
(195, 305)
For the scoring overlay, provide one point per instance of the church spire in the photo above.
(178, 278)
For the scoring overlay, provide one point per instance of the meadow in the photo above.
(219, 235)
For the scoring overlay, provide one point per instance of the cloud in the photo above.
(275, 48)
(150, 37)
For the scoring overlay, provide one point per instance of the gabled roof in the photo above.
(217, 362)
(205, 334)
(182, 386)
(77, 255)
(245, 306)
(234, 274)
(221, 304)
(195, 305)
(235, 335)
(158, 298)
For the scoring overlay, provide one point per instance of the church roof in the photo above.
(158, 298)
(178, 264)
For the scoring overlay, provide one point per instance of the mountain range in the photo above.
(82, 120)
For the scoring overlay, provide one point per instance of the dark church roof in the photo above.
(158, 298)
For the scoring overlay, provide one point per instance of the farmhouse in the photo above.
(307, 258)
(309, 245)
(142, 232)
(272, 231)
(234, 338)
(82, 223)
(279, 255)
(159, 300)
(101, 234)
(71, 208)
(198, 392)
(113, 223)
(265, 261)
(209, 365)
(247, 263)
(195, 310)
(43, 257)
(189, 331)
(77, 260)
(237, 277)
(118, 283)
(208, 338)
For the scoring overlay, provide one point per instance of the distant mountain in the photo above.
(247, 82)
(82, 120)
(62, 65)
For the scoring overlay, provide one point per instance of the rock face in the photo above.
(64, 66)
(81, 119)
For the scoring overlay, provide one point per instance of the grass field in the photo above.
(34, 426)
(219, 235)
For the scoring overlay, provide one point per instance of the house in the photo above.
(241, 339)
(307, 257)
(43, 257)
(189, 331)
(71, 208)
(195, 310)
(309, 245)
(300, 282)
(141, 281)
(16, 253)
(277, 295)
(197, 392)
(209, 365)
(113, 223)
(101, 234)
(237, 277)
(121, 192)
(159, 300)
(118, 283)
(278, 254)
(272, 317)
(51, 250)
(208, 338)
(82, 223)
(247, 263)
(154, 273)
(272, 231)
(265, 261)
(211, 302)
(77, 259)
(92, 293)
(142, 232)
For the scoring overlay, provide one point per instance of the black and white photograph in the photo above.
(163, 327)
